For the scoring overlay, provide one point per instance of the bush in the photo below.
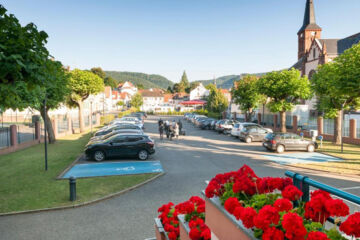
(106, 119)
(127, 112)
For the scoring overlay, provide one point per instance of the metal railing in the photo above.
(304, 183)
(4, 137)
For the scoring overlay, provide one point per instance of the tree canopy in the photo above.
(246, 95)
(98, 71)
(136, 100)
(284, 89)
(22, 60)
(337, 86)
(184, 82)
(216, 101)
(109, 81)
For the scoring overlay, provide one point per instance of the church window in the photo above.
(314, 53)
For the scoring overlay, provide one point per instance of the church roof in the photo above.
(298, 65)
(338, 46)
(309, 17)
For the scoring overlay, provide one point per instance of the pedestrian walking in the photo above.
(167, 129)
(160, 122)
(176, 131)
(180, 126)
(161, 131)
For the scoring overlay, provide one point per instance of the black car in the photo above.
(281, 142)
(253, 133)
(128, 131)
(206, 124)
(121, 145)
(116, 127)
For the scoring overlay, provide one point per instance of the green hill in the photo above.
(147, 80)
(227, 82)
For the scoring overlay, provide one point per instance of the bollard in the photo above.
(72, 184)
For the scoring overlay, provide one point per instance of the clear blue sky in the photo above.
(203, 37)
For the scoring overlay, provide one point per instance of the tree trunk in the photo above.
(250, 115)
(49, 126)
(81, 116)
(283, 122)
(337, 128)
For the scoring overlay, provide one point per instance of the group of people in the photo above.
(171, 129)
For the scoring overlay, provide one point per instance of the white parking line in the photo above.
(350, 188)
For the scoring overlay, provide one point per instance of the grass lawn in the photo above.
(350, 164)
(26, 186)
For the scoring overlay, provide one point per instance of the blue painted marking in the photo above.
(301, 158)
(113, 168)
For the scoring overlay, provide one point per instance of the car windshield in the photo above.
(269, 136)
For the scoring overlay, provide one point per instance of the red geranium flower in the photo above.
(292, 193)
(195, 234)
(172, 236)
(317, 236)
(337, 207)
(351, 226)
(283, 204)
(294, 227)
(237, 212)
(273, 233)
(247, 217)
(231, 203)
(266, 216)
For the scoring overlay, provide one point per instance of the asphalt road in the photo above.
(188, 162)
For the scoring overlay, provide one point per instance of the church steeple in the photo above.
(309, 30)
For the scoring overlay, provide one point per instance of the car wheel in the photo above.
(99, 155)
(280, 149)
(143, 155)
(311, 148)
(248, 140)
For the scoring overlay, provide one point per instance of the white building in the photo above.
(127, 87)
(153, 99)
(199, 92)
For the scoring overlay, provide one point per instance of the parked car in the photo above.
(206, 124)
(130, 120)
(224, 126)
(213, 124)
(253, 133)
(121, 145)
(129, 131)
(281, 142)
(199, 120)
(235, 131)
(116, 127)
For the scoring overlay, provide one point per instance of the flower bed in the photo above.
(193, 217)
(270, 208)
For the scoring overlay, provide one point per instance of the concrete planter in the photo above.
(159, 230)
(222, 224)
(184, 228)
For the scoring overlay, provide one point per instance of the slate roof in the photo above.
(309, 17)
(338, 46)
(299, 63)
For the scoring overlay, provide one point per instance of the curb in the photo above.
(85, 203)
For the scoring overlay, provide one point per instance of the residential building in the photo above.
(127, 87)
(153, 99)
(200, 92)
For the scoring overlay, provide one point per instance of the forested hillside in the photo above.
(227, 82)
(146, 80)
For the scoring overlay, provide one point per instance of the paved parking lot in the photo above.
(188, 163)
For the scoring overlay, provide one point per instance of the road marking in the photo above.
(349, 188)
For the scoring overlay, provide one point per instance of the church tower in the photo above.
(309, 30)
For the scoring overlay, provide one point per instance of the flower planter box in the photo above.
(159, 230)
(222, 224)
(184, 228)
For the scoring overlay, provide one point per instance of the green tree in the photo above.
(184, 82)
(109, 81)
(22, 61)
(140, 86)
(192, 86)
(98, 71)
(169, 90)
(337, 87)
(216, 101)
(247, 95)
(56, 89)
(136, 101)
(284, 89)
(178, 88)
(82, 85)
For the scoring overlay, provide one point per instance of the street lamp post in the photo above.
(45, 133)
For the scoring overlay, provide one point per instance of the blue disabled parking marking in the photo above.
(113, 168)
(301, 158)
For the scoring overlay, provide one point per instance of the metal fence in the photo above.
(75, 123)
(94, 118)
(87, 120)
(329, 126)
(346, 126)
(268, 119)
(62, 122)
(25, 133)
(358, 128)
(4, 137)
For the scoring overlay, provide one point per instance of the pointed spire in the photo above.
(309, 17)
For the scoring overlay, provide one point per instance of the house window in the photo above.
(314, 53)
